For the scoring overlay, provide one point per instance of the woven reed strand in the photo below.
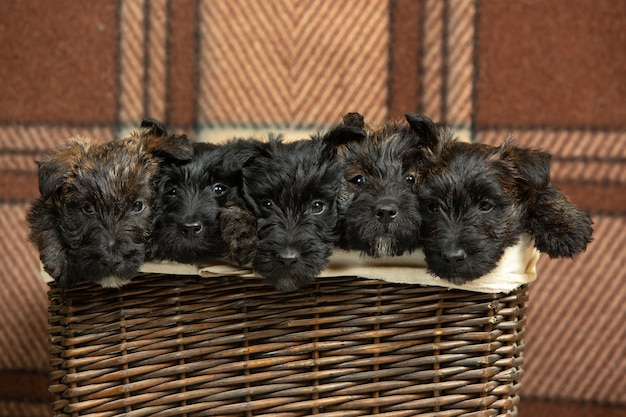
(169, 345)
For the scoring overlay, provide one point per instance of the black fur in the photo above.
(196, 201)
(292, 189)
(379, 211)
(478, 199)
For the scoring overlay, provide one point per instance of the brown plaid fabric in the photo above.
(551, 73)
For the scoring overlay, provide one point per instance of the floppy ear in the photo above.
(51, 175)
(427, 130)
(532, 165)
(202, 147)
(239, 153)
(59, 166)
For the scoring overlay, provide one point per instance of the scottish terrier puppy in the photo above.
(478, 199)
(292, 188)
(378, 206)
(93, 218)
(199, 213)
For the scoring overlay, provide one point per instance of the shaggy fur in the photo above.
(292, 190)
(378, 205)
(93, 218)
(478, 199)
(199, 212)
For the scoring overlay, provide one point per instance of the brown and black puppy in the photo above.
(93, 218)
(478, 199)
(378, 207)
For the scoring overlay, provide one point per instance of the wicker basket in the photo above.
(171, 345)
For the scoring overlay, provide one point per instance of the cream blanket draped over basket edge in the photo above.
(516, 267)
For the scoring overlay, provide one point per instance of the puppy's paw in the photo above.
(559, 228)
(54, 260)
(238, 228)
(54, 267)
(565, 239)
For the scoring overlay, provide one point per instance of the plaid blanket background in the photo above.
(551, 73)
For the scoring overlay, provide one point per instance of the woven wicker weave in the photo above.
(169, 345)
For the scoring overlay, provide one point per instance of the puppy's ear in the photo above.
(158, 142)
(427, 130)
(57, 168)
(51, 175)
(202, 147)
(343, 134)
(240, 153)
(153, 126)
(354, 119)
(532, 165)
(168, 147)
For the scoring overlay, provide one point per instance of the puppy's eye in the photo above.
(268, 204)
(138, 207)
(219, 189)
(171, 192)
(410, 178)
(318, 207)
(88, 209)
(433, 208)
(486, 206)
(358, 180)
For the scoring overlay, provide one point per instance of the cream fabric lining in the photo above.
(517, 267)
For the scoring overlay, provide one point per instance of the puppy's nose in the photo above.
(110, 261)
(192, 228)
(288, 256)
(386, 212)
(454, 256)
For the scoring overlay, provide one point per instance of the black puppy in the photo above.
(478, 199)
(378, 205)
(292, 190)
(93, 218)
(199, 212)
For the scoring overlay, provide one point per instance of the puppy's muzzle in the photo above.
(191, 228)
(386, 211)
(288, 256)
(454, 256)
(110, 261)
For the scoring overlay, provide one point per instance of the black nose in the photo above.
(288, 256)
(191, 228)
(454, 256)
(386, 212)
(110, 261)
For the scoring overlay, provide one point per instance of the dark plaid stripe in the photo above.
(405, 56)
(32, 384)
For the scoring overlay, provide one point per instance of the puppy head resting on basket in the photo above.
(292, 188)
(378, 206)
(93, 217)
(199, 213)
(478, 199)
